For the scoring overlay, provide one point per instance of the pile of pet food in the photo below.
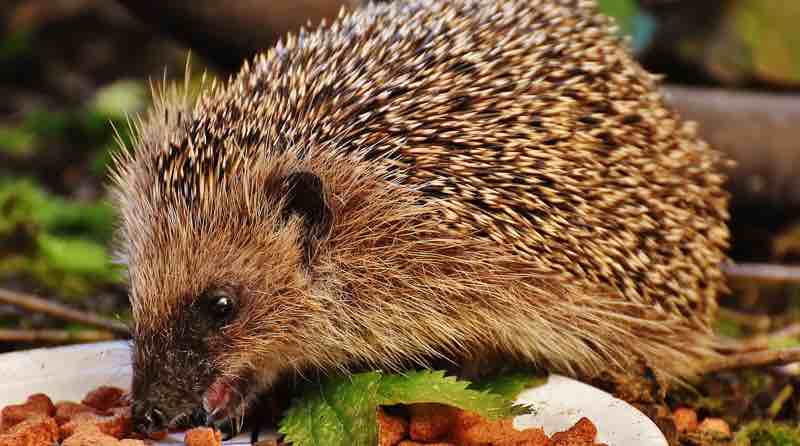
(103, 418)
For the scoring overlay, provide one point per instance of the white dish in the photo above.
(68, 373)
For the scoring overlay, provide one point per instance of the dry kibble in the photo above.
(471, 430)
(527, 437)
(582, 433)
(66, 410)
(34, 431)
(117, 425)
(464, 420)
(430, 422)
(41, 404)
(715, 426)
(104, 419)
(203, 436)
(35, 406)
(391, 429)
(13, 415)
(104, 398)
(685, 419)
(90, 435)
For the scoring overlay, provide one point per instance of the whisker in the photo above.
(179, 419)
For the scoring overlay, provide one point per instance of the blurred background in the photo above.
(72, 70)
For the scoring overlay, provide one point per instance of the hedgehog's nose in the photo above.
(198, 417)
(148, 419)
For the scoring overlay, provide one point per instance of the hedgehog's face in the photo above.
(217, 308)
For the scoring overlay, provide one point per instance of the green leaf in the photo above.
(783, 342)
(120, 98)
(342, 411)
(769, 31)
(623, 12)
(23, 202)
(16, 141)
(327, 414)
(59, 243)
(510, 385)
(765, 433)
(727, 327)
(428, 386)
(74, 255)
(47, 123)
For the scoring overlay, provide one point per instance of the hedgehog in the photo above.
(468, 181)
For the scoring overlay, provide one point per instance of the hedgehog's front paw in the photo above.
(265, 414)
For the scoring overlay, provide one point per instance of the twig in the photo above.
(780, 401)
(763, 272)
(757, 130)
(755, 322)
(39, 305)
(55, 336)
(761, 341)
(788, 331)
(761, 358)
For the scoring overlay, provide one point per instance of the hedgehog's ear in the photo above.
(305, 197)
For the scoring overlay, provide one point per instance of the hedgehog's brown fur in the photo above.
(503, 179)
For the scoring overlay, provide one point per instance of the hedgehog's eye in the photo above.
(223, 307)
(220, 304)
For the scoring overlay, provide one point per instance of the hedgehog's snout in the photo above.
(165, 386)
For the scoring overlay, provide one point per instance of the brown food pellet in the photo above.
(527, 437)
(430, 422)
(203, 436)
(42, 404)
(35, 406)
(471, 430)
(685, 419)
(117, 425)
(90, 435)
(391, 429)
(583, 433)
(66, 410)
(104, 398)
(715, 426)
(34, 431)
(464, 420)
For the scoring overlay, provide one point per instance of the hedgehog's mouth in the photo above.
(223, 407)
(222, 400)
